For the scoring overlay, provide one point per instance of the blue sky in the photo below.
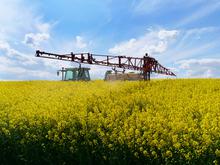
(182, 35)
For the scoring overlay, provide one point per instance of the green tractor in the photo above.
(74, 74)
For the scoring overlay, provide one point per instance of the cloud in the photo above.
(79, 42)
(76, 44)
(34, 40)
(200, 8)
(148, 7)
(4, 46)
(145, 6)
(206, 67)
(195, 34)
(16, 17)
(192, 43)
(21, 73)
(197, 50)
(166, 34)
(203, 11)
(152, 42)
(16, 65)
(20, 22)
(44, 27)
(14, 55)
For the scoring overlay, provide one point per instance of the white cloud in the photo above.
(21, 73)
(197, 50)
(203, 8)
(42, 34)
(203, 11)
(145, 6)
(14, 55)
(203, 30)
(18, 66)
(152, 42)
(16, 17)
(192, 43)
(166, 34)
(56, 64)
(21, 22)
(6, 61)
(4, 46)
(195, 33)
(98, 72)
(206, 67)
(79, 42)
(151, 6)
(34, 40)
(43, 27)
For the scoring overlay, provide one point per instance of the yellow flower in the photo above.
(169, 153)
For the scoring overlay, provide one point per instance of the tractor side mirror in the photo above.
(58, 73)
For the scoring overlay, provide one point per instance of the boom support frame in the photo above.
(146, 65)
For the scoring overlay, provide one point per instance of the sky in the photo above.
(182, 35)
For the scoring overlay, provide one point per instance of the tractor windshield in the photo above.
(71, 75)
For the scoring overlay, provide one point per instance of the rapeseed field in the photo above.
(97, 122)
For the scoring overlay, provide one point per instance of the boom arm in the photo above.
(146, 64)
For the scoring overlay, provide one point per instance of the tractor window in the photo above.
(69, 75)
(87, 75)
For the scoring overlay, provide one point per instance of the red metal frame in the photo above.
(146, 64)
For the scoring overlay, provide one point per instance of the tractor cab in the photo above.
(74, 74)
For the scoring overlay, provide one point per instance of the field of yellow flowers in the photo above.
(97, 122)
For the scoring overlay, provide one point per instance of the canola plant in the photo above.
(97, 122)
